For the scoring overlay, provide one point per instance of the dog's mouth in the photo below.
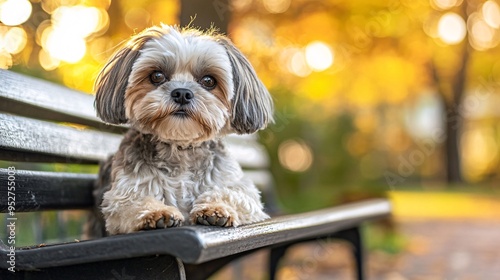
(181, 113)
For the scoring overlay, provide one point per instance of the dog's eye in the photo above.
(157, 77)
(208, 82)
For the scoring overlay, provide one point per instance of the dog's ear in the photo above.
(252, 106)
(112, 81)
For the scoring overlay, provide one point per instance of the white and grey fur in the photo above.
(172, 167)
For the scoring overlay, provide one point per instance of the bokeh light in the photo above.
(137, 18)
(63, 38)
(451, 28)
(80, 21)
(319, 56)
(15, 12)
(241, 4)
(276, 6)
(479, 150)
(482, 35)
(445, 4)
(297, 63)
(64, 46)
(14, 40)
(5, 59)
(48, 62)
(295, 155)
(491, 13)
(430, 25)
(421, 116)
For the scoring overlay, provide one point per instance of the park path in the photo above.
(445, 250)
(435, 249)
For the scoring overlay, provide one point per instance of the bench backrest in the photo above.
(44, 125)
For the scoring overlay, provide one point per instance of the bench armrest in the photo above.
(198, 244)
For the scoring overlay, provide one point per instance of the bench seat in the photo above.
(44, 123)
(198, 244)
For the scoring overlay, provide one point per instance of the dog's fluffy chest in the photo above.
(176, 176)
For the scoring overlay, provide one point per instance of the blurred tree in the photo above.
(384, 52)
(451, 88)
(345, 76)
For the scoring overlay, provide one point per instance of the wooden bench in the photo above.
(34, 118)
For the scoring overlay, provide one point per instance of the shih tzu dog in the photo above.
(180, 91)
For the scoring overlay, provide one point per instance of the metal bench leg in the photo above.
(276, 255)
(357, 242)
(353, 236)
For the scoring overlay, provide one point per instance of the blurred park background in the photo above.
(395, 98)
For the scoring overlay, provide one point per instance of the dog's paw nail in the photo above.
(202, 220)
(171, 222)
(160, 223)
(174, 222)
(212, 220)
(221, 221)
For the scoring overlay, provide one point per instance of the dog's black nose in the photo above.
(182, 96)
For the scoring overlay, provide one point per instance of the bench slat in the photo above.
(32, 97)
(26, 137)
(36, 190)
(198, 244)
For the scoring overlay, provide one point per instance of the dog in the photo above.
(180, 91)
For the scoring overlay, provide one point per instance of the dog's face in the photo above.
(182, 86)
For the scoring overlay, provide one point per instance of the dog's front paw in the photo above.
(214, 215)
(165, 217)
